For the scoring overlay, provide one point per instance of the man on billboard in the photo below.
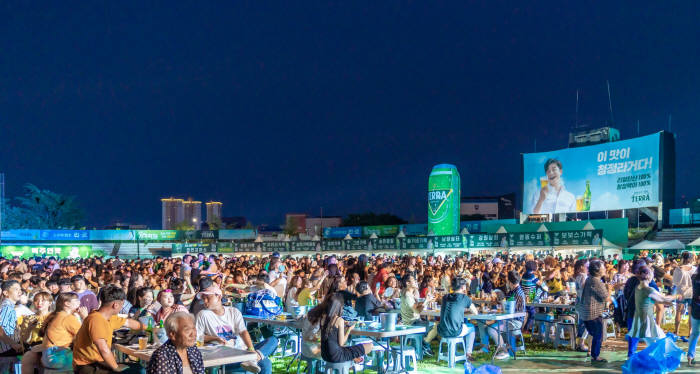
(553, 197)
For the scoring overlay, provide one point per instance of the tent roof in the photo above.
(670, 244)
(695, 242)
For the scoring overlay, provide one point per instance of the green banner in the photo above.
(386, 243)
(275, 246)
(357, 245)
(193, 248)
(146, 235)
(332, 245)
(414, 243)
(384, 230)
(580, 237)
(248, 247)
(488, 240)
(528, 239)
(59, 251)
(305, 245)
(448, 241)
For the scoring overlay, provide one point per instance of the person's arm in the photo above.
(600, 292)
(245, 335)
(7, 340)
(134, 324)
(106, 353)
(663, 299)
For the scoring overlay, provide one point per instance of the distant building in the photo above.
(234, 222)
(213, 211)
(193, 213)
(490, 207)
(125, 226)
(315, 225)
(173, 212)
(295, 221)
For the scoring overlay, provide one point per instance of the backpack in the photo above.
(620, 312)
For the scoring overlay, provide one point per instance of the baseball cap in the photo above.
(276, 254)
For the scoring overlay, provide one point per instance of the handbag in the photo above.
(264, 304)
(57, 358)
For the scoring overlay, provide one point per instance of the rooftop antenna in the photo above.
(612, 118)
(637, 127)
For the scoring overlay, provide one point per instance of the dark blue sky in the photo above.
(274, 108)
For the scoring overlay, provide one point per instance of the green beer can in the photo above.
(443, 200)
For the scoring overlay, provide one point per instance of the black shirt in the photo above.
(452, 314)
(366, 305)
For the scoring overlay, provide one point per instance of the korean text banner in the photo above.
(609, 176)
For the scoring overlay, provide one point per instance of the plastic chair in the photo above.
(313, 365)
(608, 322)
(288, 345)
(521, 347)
(408, 353)
(338, 367)
(560, 334)
(451, 355)
(416, 340)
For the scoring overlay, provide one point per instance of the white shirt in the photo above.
(228, 326)
(561, 202)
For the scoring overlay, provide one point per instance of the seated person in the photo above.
(225, 325)
(311, 332)
(166, 299)
(92, 348)
(515, 293)
(367, 304)
(452, 323)
(179, 354)
(334, 334)
(262, 283)
(410, 311)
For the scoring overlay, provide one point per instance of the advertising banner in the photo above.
(248, 247)
(472, 226)
(65, 235)
(414, 243)
(488, 240)
(581, 237)
(386, 243)
(449, 241)
(59, 251)
(200, 234)
(147, 235)
(332, 245)
(357, 245)
(340, 232)
(385, 230)
(25, 234)
(240, 234)
(111, 235)
(609, 176)
(305, 245)
(193, 248)
(415, 229)
(528, 239)
(443, 200)
(275, 246)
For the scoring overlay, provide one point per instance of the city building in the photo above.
(125, 226)
(193, 213)
(295, 222)
(315, 225)
(213, 211)
(173, 212)
(487, 207)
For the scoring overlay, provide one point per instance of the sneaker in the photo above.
(600, 360)
(251, 366)
(427, 350)
(502, 355)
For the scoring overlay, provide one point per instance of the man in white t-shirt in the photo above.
(225, 325)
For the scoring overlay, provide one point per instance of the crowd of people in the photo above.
(58, 307)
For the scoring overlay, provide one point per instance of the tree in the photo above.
(372, 219)
(43, 209)
(249, 225)
(183, 226)
(215, 224)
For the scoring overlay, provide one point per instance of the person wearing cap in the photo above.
(225, 325)
(87, 298)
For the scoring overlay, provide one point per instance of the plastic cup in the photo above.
(143, 342)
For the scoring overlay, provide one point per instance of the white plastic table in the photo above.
(213, 356)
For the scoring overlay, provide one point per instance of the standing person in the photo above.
(225, 325)
(683, 282)
(694, 318)
(334, 335)
(529, 283)
(644, 324)
(580, 276)
(594, 297)
(179, 355)
(452, 323)
(92, 347)
(88, 299)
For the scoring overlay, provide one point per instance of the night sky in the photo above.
(274, 108)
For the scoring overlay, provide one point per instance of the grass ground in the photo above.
(537, 358)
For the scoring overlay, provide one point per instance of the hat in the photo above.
(211, 290)
(497, 261)
(276, 254)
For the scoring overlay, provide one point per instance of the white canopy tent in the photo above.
(648, 244)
